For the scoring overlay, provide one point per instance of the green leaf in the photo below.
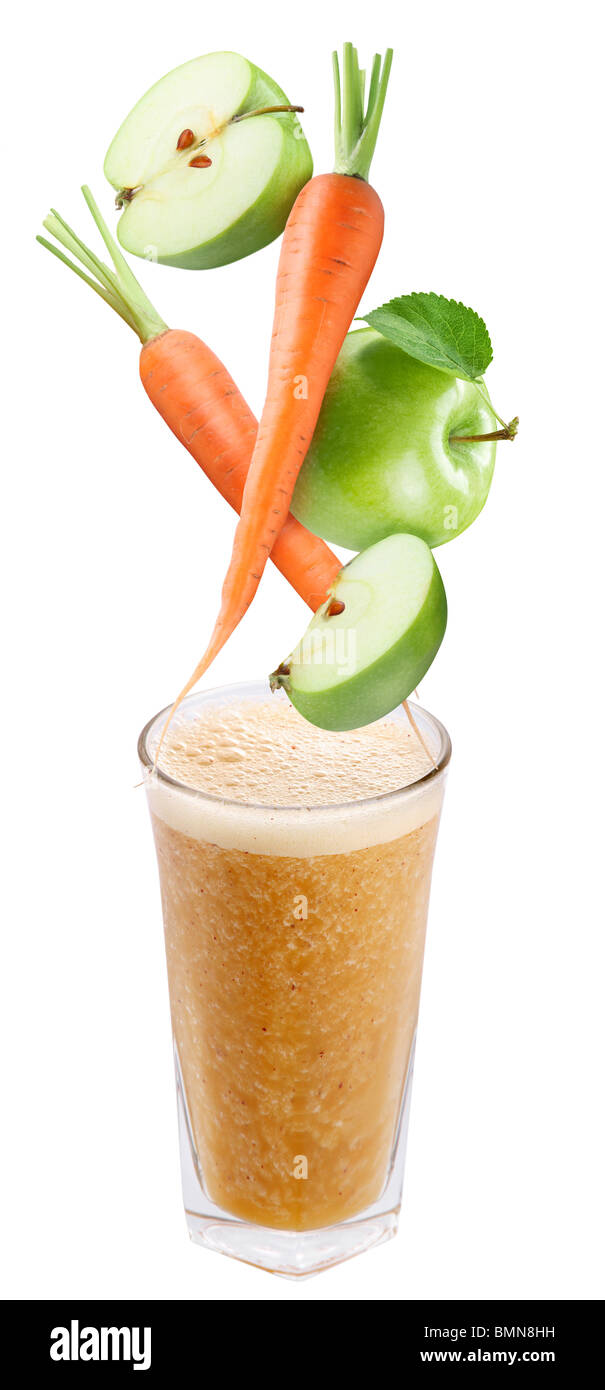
(436, 330)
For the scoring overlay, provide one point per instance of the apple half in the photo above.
(249, 171)
(372, 641)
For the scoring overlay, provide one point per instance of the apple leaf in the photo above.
(436, 330)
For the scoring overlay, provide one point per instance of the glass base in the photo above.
(292, 1254)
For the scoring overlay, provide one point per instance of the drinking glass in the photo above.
(294, 946)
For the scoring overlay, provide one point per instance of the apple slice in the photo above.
(247, 171)
(369, 645)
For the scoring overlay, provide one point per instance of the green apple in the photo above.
(372, 641)
(383, 457)
(250, 168)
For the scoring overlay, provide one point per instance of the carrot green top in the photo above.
(119, 287)
(356, 132)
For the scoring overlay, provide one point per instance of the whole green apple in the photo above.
(383, 457)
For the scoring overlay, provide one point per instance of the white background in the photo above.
(113, 551)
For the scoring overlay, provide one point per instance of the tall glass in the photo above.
(294, 945)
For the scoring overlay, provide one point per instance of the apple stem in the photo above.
(514, 424)
(263, 111)
(507, 432)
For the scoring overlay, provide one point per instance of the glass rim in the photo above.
(260, 690)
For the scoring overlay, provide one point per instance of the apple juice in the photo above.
(295, 876)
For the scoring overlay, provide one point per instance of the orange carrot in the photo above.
(197, 398)
(329, 249)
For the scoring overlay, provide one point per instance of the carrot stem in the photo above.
(118, 287)
(352, 113)
(355, 132)
(374, 81)
(61, 230)
(99, 289)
